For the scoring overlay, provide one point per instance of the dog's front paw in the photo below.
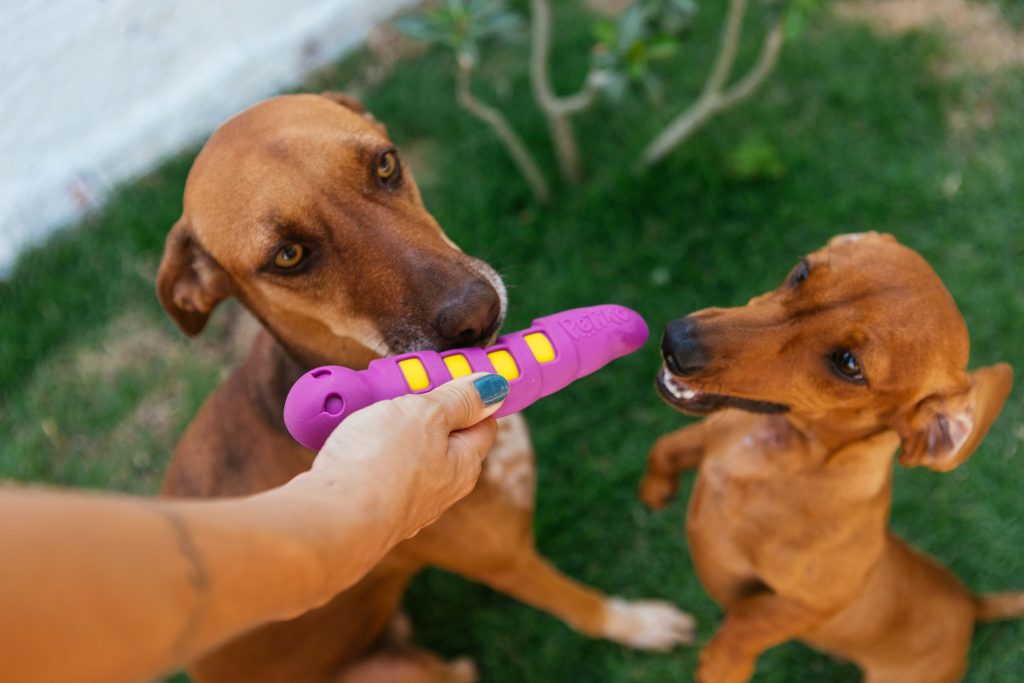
(648, 624)
(657, 491)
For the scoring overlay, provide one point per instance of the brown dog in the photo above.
(302, 208)
(860, 350)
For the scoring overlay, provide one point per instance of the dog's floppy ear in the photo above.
(942, 431)
(345, 100)
(353, 104)
(190, 282)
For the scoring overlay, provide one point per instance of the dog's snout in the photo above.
(469, 317)
(682, 349)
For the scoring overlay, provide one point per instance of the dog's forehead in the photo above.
(277, 154)
(299, 112)
(296, 130)
(868, 261)
(865, 249)
(895, 296)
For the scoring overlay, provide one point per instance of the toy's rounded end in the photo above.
(320, 400)
(599, 334)
(632, 330)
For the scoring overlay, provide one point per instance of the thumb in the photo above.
(473, 444)
(466, 401)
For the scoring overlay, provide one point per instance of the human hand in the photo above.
(419, 453)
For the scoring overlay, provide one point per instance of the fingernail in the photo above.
(492, 388)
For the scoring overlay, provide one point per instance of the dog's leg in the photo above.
(488, 537)
(673, 453)
(752, 625)
(645, 625)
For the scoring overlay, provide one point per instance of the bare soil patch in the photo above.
(979, 39)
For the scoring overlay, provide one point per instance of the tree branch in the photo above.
(770, 51)
(494, 118)
(573, 104)
(556, 109)
(730, 44)
(713, 100)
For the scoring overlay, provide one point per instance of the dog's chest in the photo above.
(751, 468)
(509, 466)
(755, 448)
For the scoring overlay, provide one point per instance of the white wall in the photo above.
(94, 92)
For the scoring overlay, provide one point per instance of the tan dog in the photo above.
(860, 350)
(302, 208)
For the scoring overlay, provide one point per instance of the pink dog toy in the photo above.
(551, 354)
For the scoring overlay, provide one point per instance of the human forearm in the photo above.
(123, 587)
(110, 589)
(281, 553)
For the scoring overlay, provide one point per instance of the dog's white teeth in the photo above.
(677, 390)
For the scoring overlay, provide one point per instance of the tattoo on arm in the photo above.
(197, 577)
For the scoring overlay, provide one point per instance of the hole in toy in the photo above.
(334, 404)
(323, 372)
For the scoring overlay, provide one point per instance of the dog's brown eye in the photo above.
(799, 274)
(289, 256)
(387, 166)
(846, 365)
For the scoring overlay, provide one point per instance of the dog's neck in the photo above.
(267, 374)
(270, 370)
(834, 435)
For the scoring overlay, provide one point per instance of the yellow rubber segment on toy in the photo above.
(458, 366)
(415, 373)
(541, 347)
(504, 364)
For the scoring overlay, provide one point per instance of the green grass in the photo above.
(858, 128)
(1012, 10)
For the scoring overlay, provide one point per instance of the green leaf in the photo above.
(794, 24)
(605, 32)
(662, 48)
(423, 27)
(797, 16)
(631, 27)
(461, 24)
(503, 25)
(755, 158)
(637, 69)
(683, 6)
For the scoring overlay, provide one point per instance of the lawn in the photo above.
(863, 132)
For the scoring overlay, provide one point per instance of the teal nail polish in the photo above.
(492, 388)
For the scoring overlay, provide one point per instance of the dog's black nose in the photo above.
(469, 317)
(681, 348)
